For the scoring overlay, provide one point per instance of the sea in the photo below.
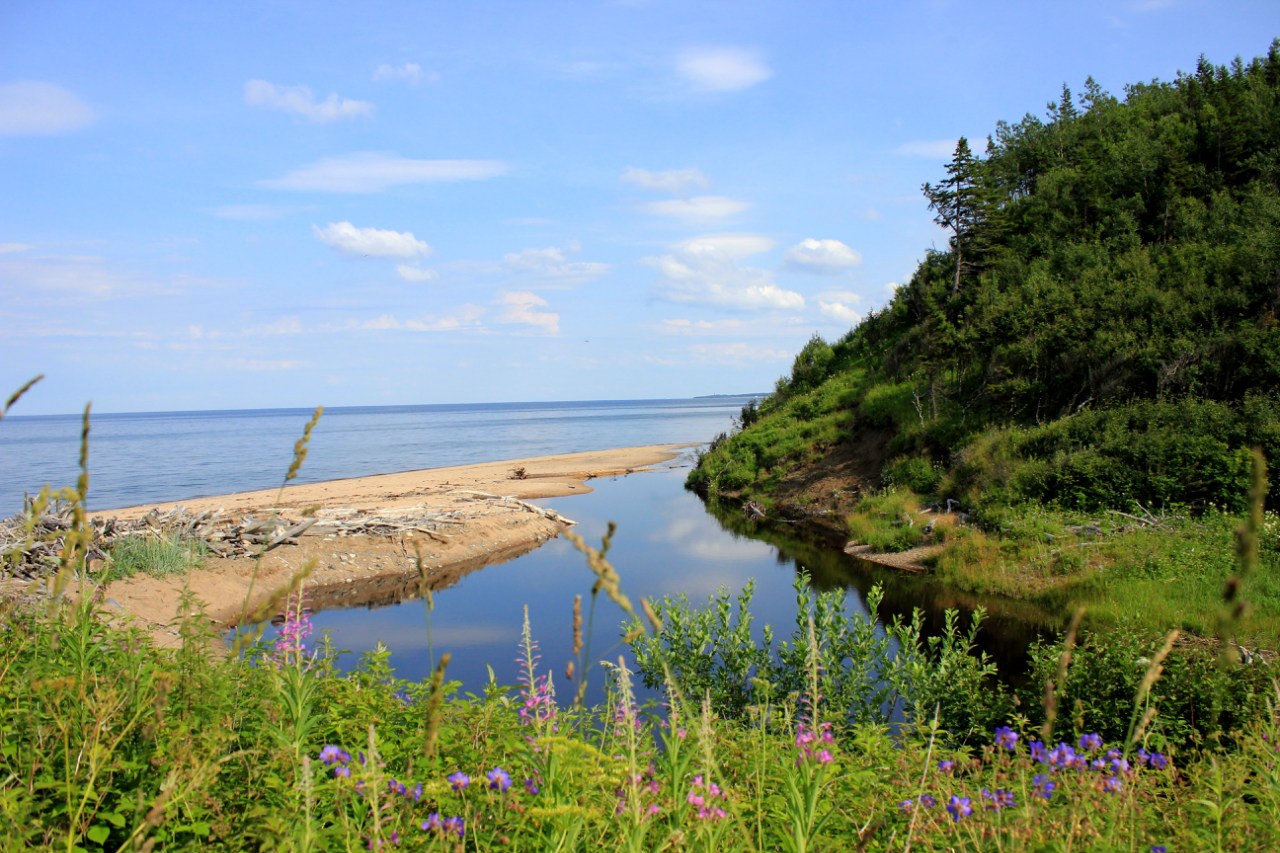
(150, 457)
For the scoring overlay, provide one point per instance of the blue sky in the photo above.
(240, 205)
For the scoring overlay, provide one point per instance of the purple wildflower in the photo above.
(928, 801)
(432, 822)
(342, 772)
(331, 754)
(455, 825)
(1112, 785)
(946, 766)
(458, 780)
(1007, 738)
(531, 787)
(499, 780)
(906, 805)
(1044, 786)
(1091, 742)
(998, 799)
(1037, 750)
(959, 807)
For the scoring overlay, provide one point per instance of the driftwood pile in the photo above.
(31, 549)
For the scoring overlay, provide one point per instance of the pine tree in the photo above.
(966, 205)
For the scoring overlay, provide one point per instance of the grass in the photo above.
(158, 556)
(108, 742)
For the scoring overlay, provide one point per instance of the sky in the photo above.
(276, 204)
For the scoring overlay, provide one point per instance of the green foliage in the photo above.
(158, 556)
(887, 521)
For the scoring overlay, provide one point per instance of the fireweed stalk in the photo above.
(811, 771)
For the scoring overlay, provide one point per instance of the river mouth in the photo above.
(668, 543)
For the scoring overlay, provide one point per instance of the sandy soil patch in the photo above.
(477, 516)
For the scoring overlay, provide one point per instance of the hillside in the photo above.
(1100, 334)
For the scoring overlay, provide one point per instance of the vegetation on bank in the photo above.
(1083, 372)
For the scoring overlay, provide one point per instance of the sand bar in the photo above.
(481, 519)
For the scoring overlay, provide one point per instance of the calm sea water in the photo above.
(167, 456)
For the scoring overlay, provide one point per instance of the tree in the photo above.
(964, 204)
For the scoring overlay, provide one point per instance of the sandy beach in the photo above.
(450, 520)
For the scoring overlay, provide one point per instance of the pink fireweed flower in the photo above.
(291, 637)
(704, 795)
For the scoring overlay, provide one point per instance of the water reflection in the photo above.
(667, 544)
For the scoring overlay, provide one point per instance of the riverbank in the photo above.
(443, 523)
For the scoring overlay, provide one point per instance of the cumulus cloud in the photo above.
(699, 210)
(36, 108)
(670, 181)
(376, 242)
(299, 101)
(521, 307)
(372, 171)
(410, 72)
(826, 257)
(411, 273)
(706, 270)
(552, 263)
(842, 311)
(721, 69)
(933, 149)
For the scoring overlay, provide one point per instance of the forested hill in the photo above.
(1102, 327)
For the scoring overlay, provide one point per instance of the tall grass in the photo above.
(110, 743)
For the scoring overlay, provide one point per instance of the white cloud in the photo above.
(14, 248)
(410, 72)
(841, 311)
(698, 327)
(372, 171)
(701, 209)
(933, 149)
(410, 273)
(35, 108)
(521, 306)
(822, 256)
(463, 317)
(377, 242)
(299, 101)
(723, 69)
(724, 246)
(77, 277)
(552, 263)
(670, 181)
(284, 326)
(705, 270)
(737, 353)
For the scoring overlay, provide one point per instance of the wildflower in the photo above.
(959, 807)
(1044, 786)
(416, 793)
(1158, 761)
(1037, 750)
(499, 780)
(458, 780)
(1112, 785)
(397, 787)
(455, 825)
(998, 799)
(331, 754)
(1091, 742)
(531, 787)
(1159, 848)
(825, 757)
(653, 809)
(946, 766)
(906, 805)
(1007, 738)
(432, 822)
(928, 801)
(403, 696)
(704, 795)
(342, 772)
